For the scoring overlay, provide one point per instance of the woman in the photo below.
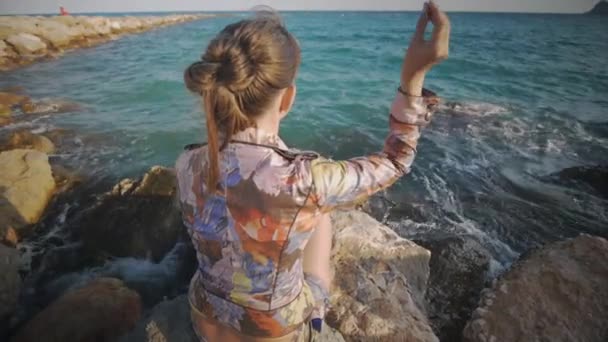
(257, 212)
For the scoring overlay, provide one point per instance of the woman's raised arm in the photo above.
(345, 183)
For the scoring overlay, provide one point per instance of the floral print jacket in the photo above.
(249, 235)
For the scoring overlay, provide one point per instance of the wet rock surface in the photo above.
(99, 311)
(10, 286)
(555, 293)
(138, 218)
(459, 271)
(24, 139)
(594, 178)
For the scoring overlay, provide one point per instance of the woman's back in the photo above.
(257, 211)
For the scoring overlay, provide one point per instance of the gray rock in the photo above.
(138, 218)
(10, 285)
(102, 310)
(557, 293)
(459, 267)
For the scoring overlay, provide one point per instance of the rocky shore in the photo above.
(26, 39)
(119, 266)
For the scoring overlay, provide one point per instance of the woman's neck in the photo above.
(268, 124)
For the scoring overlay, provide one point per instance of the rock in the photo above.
(100, 311)
(56, 33)
(380, 281)
(11, 100)
(24, 139)
(593, 178)
(170, 321)
(459, 267)
(66, 179)
(24, 39)
(5, 111)
(4, 120)
(3, 49)
(556, 293)
(10, 285)
(137, 218)
(48, 106)
(26, 187)
(601, 8)
(27, 44)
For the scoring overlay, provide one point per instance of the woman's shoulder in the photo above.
(190, 156)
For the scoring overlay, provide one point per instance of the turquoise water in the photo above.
(525, 96)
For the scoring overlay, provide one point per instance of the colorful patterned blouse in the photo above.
(250, 235)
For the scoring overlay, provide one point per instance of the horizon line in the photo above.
(295, 10)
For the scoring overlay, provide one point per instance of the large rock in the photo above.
(3, 49)
(557, 293)
(601, 8)
(170, 321)
(10, 100)
(26, 186)
(593, 179)
(137, 218)
(5, 120)
(459, 269)
(100, 311)
(56, 33)
(24, 139)
(380, 281)
(27, 44)
(10, 285)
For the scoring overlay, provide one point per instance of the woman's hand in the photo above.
(422, 55)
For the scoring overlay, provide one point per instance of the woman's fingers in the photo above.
(441, 31)
(422, 23)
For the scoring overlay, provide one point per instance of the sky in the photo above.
(76, 6)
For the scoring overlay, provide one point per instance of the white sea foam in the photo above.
(473, 108)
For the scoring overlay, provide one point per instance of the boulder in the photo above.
(100, 311)
(50, 106)
(170, 321)
(100, 25)
(3, 49)
(137, 218)
(5, 120)
(26, 187)
(10, 100)
(380, 281)
(5, 111)
(10, 285)
(27, 44)
(24, 139)
(56, 33)
(556, 293)
(459, 269)
(587, 178)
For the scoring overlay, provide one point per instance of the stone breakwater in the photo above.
(26, 39)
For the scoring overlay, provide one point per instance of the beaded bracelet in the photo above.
(405, 93)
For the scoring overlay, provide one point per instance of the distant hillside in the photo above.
(600, 8)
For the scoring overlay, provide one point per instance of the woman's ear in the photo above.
(287, 100)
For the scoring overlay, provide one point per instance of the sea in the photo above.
(524, 96)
